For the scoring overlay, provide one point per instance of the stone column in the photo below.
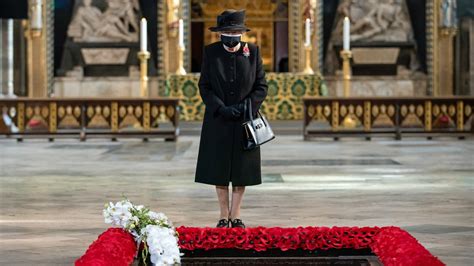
(441, 29)
(464, 71)
(295, 33)
(7, 51)
(317, 38)
(39, 49)
(446, 62)
(10, 52)
(2, 58)
(471, 57)
(162, 53)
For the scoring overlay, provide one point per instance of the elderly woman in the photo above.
(231, 73)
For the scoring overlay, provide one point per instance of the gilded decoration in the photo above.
(86, 117)
(283, 101)
(390, 114)
(69, 116)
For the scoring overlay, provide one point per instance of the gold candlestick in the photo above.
(181, 70)
(36, 59)
(346, 56)
(308, 69)
(143, 56)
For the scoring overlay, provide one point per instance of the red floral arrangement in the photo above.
(262, 238)
(392, 245)
(114, 247)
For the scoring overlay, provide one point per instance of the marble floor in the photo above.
(52, 194)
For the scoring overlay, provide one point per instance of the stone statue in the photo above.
(448, 13)
(173, 15)
(118, 23)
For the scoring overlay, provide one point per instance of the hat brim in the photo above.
(229, 28)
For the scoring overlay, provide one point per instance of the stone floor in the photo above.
(52, 194)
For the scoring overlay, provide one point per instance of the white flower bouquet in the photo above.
(157, 233)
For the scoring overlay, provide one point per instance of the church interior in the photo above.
(371, 102)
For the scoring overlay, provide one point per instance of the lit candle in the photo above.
(346, 35)
(143, 35)
(308, 33)
(181, 34)
(36, 15)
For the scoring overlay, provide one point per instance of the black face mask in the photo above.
(230, 41)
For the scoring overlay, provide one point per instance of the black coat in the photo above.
(228, 78)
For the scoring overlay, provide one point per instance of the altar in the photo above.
(90, 49)
(283, 101)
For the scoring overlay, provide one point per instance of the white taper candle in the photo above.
(346, 35)
(181, 34)
(143, 35)
(308, 32)
(37, 15)
(449, 14)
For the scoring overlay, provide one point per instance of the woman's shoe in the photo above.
(222, 223)
(237, 223)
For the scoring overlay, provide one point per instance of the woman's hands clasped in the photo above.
(232, 112)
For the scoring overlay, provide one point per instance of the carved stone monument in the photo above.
(382, 44)
(118, 23)
(102, 39)
(100, 53)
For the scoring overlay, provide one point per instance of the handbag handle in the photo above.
(250, 108)
(250, 113)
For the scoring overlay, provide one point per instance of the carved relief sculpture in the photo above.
(102, 39)
(372, 21)
(118, 22)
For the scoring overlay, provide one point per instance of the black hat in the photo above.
(230, 20)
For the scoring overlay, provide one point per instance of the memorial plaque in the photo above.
(105, 56)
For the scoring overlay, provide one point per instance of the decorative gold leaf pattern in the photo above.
(283, 101)
(391, 110)
(61, 112)
(154, 111)
(467, 110)
(435, 110)
(77, 111)
(419, 110)
(375, 110)
(451, 110)
(90, 111)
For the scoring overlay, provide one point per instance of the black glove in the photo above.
(229, 112)
(240, 106)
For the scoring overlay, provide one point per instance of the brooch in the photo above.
(246, 50)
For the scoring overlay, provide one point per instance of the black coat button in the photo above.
(231, 93)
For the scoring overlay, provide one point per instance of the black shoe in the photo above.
(222, 223)
(237, 223)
